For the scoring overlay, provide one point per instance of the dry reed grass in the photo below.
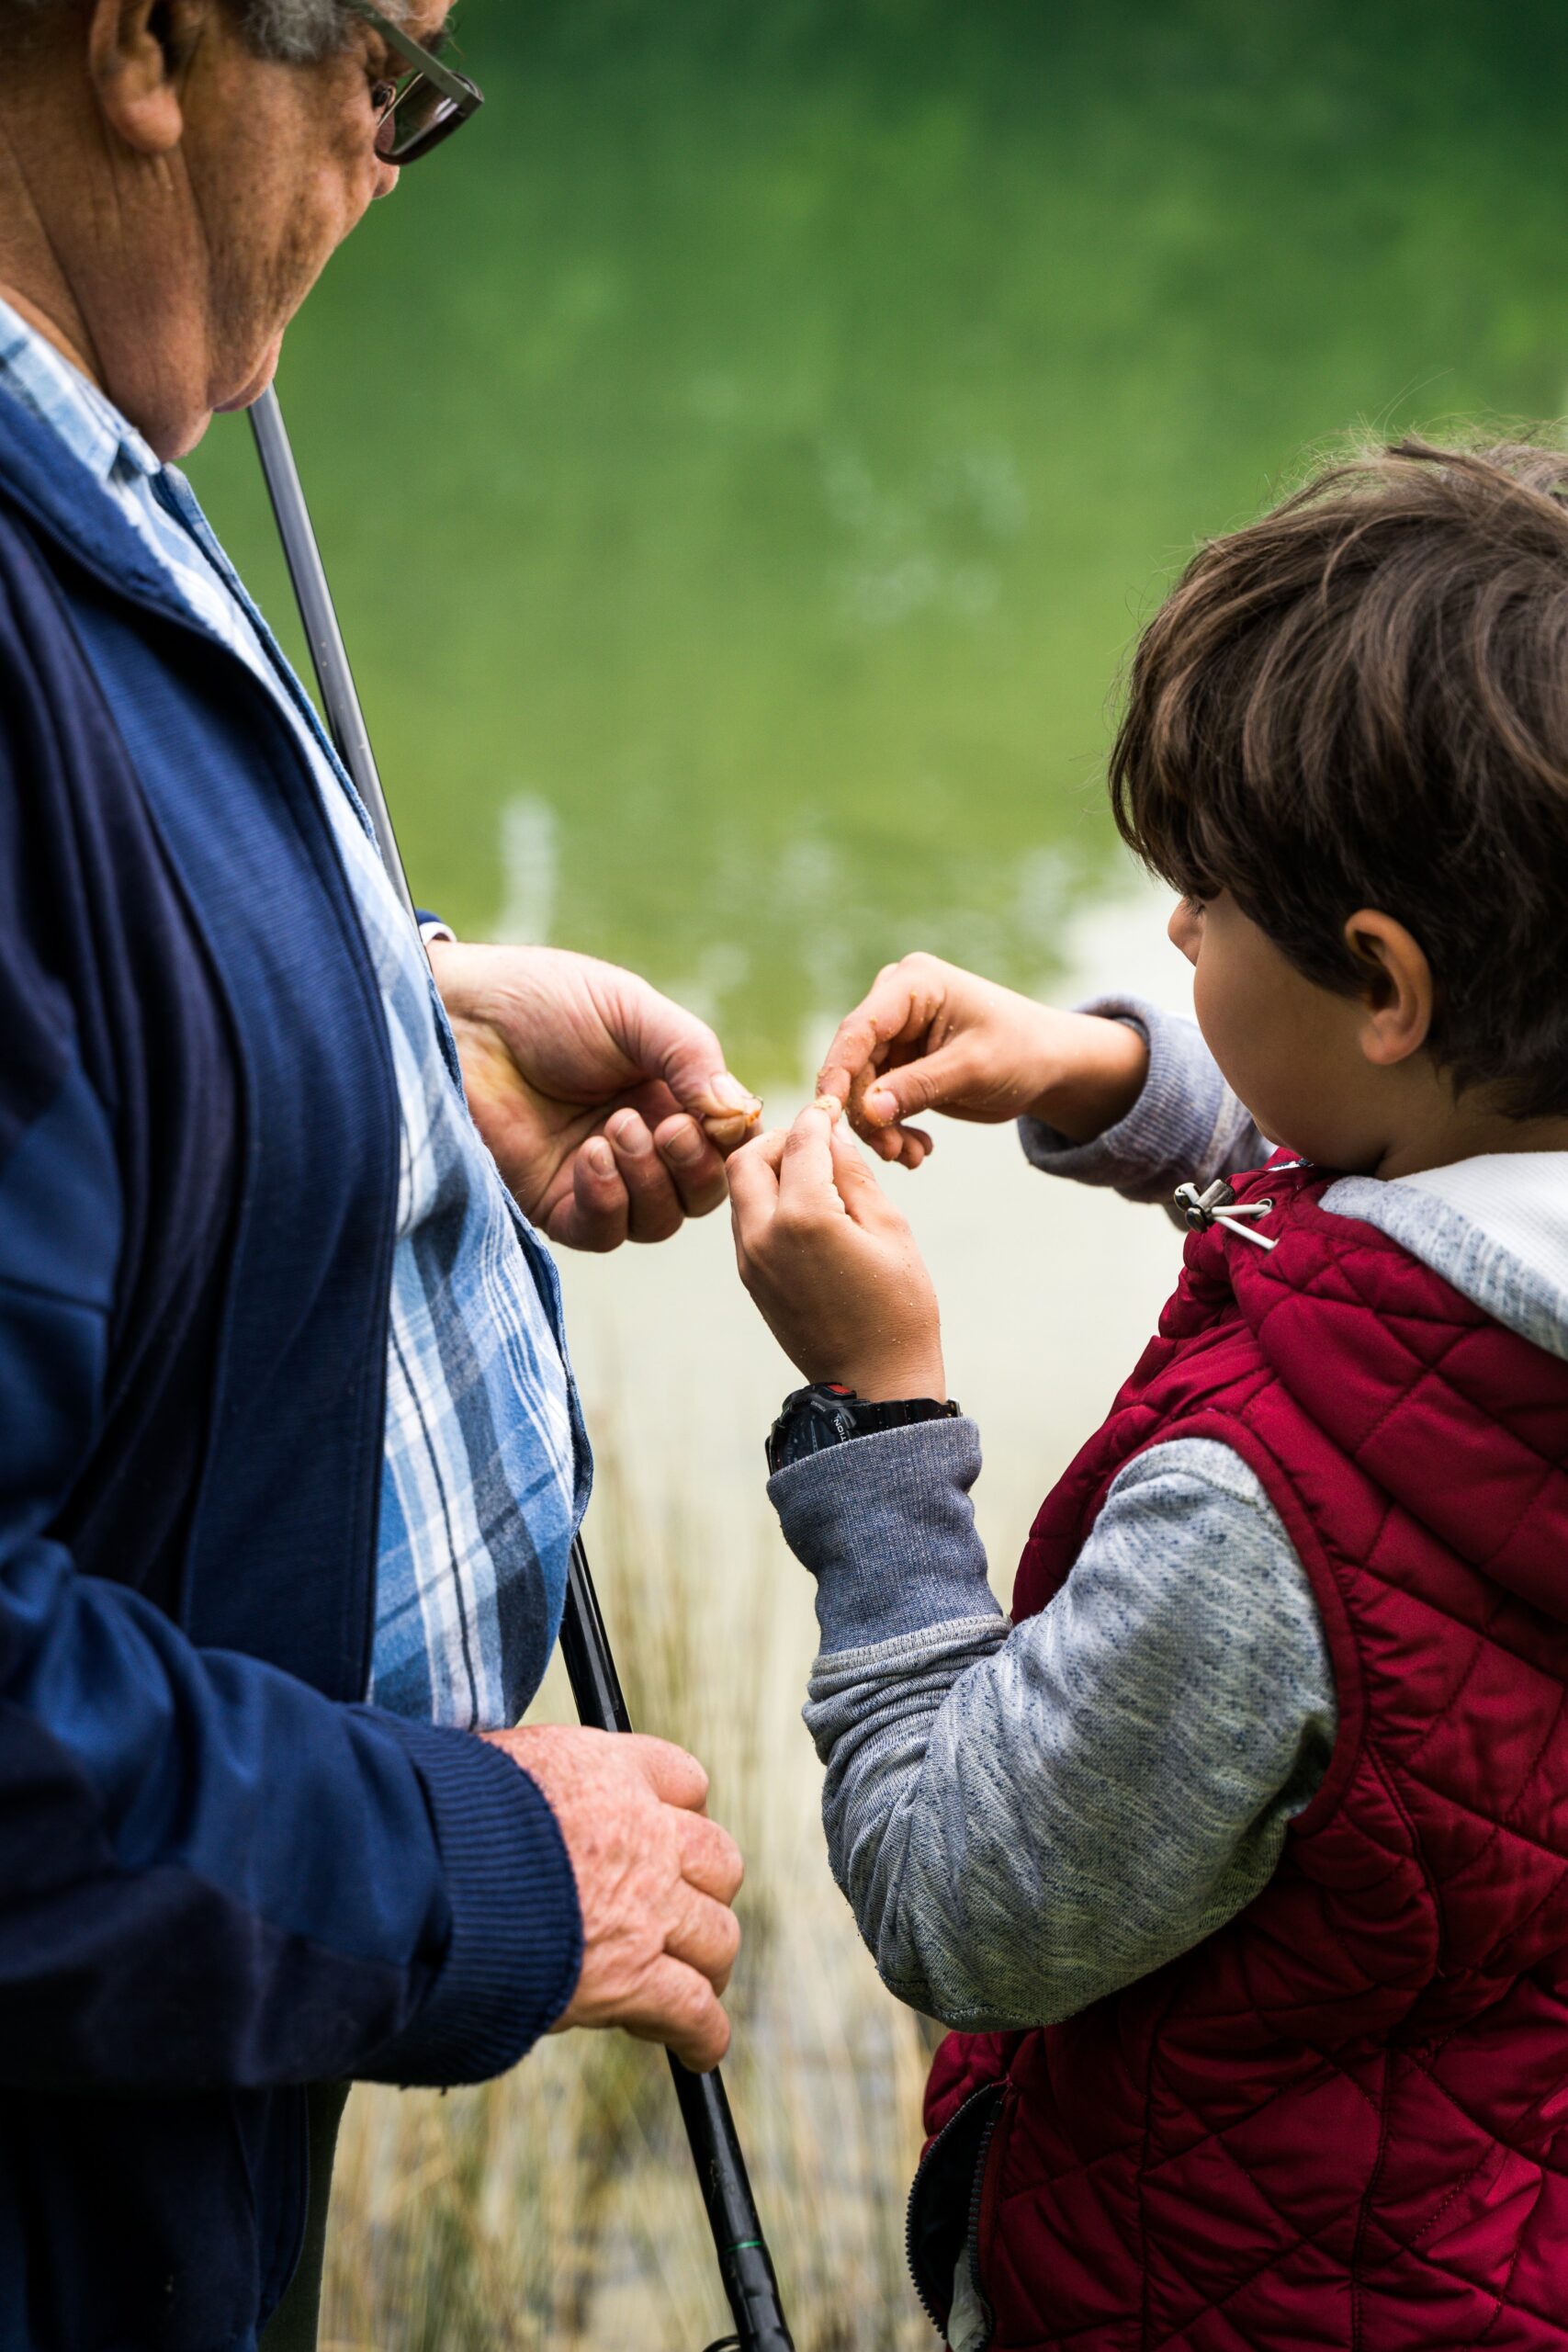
(558, 2208)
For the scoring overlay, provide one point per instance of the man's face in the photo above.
(280, 163)
(167, 199)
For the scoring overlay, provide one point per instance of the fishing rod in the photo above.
(744, 2262)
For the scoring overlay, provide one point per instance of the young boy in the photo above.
(1239, 1860)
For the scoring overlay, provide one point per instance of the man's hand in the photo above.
(608, 1108)
(930, 1037)
(830, 1262)
(655, 1882)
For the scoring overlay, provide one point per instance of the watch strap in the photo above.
(827, 1413)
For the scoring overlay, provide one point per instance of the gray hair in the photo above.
(299, 32)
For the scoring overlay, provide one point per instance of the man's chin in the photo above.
(252, 390)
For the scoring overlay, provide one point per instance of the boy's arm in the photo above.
(1185, 1125)
(1023, 1820)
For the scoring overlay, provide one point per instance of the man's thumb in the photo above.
(690, 1059)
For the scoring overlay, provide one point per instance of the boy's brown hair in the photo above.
(1362, 701)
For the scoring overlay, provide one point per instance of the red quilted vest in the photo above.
(1342, 2120)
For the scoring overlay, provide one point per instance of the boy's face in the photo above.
(1294, 1053)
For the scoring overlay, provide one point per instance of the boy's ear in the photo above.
(1395, 989)
(137, 53)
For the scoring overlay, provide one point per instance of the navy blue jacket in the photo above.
(221, 1877)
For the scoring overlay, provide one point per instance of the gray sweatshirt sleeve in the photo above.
(1026, 1818)
(1186, 1123)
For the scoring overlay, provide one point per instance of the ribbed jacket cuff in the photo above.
(886, 1525)
(1185, 1120)
(1123, 1153)
(515, 1948)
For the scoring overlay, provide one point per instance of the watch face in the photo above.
(812, 1418)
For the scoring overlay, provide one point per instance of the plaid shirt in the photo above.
(485, 1469)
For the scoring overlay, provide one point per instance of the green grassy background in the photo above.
(750, 448)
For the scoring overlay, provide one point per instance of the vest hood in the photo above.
(1495, 1228)
(1348, 1324)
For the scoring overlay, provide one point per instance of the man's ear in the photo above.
(1395, 989)
(137, 54)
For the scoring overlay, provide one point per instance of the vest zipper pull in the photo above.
(1217, 1204)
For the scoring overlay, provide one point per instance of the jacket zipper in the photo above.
(972, 2229)
(972, 2235)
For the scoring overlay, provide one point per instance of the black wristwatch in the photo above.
(827, 1413)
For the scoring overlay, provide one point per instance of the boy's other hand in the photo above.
(655, 1882)
(830, 1262)
(930, 1037)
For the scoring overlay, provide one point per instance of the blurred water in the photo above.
(743, 456)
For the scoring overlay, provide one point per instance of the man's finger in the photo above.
(695, 1169)
(675, 1777)
(653, 1207)
(677, 2006)
(710, 1859)
(663, 1040)
(594, 1215)
(705, 1934)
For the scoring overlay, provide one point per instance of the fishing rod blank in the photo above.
(743, 2259)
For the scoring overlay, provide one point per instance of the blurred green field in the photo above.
(744, 456)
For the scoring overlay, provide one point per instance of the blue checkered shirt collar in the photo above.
(62, 397)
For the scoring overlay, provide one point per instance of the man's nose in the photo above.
(387, 179)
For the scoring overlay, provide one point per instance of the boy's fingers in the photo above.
(897, 1008)
(850, 1174)
(806, 1172)
(753, 1174)
(883, 1013)
(861, 1194)
(923, 1085)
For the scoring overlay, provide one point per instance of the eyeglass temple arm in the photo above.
(451, 85)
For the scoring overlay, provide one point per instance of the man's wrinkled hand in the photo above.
(607, 1106)
(655, 1882)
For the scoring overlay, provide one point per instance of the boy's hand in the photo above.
(930, 1037)
(830, 1262)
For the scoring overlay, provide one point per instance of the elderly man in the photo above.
(290, 1454)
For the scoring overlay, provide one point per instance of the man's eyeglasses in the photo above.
(425, 105)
